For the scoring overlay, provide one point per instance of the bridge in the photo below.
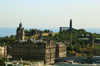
(81, 59)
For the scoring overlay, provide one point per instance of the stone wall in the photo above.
(42, 50)
(37, 64)
(3, 51)
(71, 55)
(60, 50)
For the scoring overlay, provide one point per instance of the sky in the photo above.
(50, 13)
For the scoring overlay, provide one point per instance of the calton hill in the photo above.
(80, 44)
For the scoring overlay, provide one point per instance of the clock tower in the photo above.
(20, 32)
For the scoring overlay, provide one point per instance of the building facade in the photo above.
(33, 49)
(42, 49)
(60, 49)
(89, 39)
(3, 51)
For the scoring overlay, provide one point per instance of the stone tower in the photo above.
(20, 32)
(71, 31)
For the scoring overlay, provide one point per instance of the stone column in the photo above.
(70, 38)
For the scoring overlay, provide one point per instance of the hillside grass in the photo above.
(37, 35)
(97, 47)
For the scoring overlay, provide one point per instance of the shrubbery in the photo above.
(70, 47)
(10, 65)
(2, 63)
(7, 40)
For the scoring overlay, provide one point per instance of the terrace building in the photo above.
(35, 49)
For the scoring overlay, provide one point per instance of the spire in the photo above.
(20, 25)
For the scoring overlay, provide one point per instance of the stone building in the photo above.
(89, 39)
(60, 49)
(33, 49)
(3, 51)
(34, 31)
(63, 28)
(42, 49)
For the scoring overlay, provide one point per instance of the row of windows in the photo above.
(28, 46)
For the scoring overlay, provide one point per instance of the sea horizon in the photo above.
(4, 31)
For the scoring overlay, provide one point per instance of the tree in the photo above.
(82, 43)
(2, 63)
(30, 30)
(78, 45)
(6, 36)
(11, 36)
(51, 31)
(70, 47)
(7, 41)
(89, 54)
(46, 31)
(83, 46)
(50, 35)
(77, 49)
(26, 30)
(9, 65)
(74, 41)
(82, 31)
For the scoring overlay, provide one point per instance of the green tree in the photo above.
(7, 41)
(77, 49)
(9, 65)
(70, 47)
(67, 51)
(6, 36)
(50, 35)
(74, 41)
(11, 36)
(83, 55)
(83, 46)
(2, 63)
(30, 30)
(46, 31)
(26, 30)
(89, 54)
(86, 46)
(78, 45)
(82, 43)
(51, 31)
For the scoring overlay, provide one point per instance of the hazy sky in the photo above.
(50, 13)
